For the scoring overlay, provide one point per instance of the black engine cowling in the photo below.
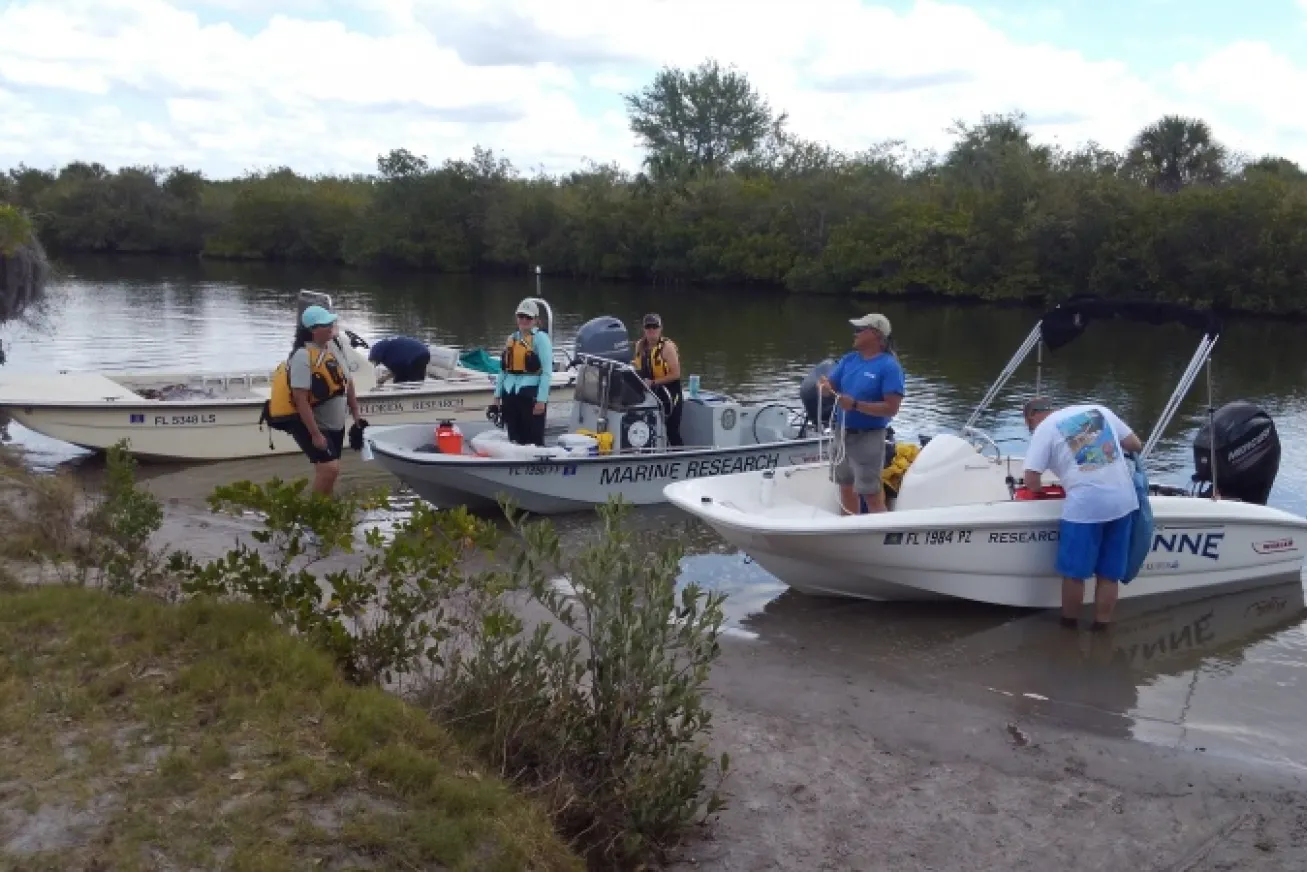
(1247, 449)
(604, 337)
(808, 394)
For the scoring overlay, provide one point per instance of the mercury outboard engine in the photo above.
(604, 337)
(1247, 449)
(808, 394)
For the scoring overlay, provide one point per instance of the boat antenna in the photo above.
(1211, 426)
(1039, 366)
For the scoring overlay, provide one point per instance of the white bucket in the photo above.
(578, 440)
(444, 361)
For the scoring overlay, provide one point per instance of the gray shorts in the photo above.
(863, 459)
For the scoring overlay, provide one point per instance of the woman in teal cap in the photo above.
(323, 392)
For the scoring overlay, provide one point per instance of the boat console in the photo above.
(611, 397)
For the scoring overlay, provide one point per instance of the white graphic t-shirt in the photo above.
(1081, 445)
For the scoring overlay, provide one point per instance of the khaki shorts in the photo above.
(863, 459)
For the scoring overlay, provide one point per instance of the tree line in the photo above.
(728, 194)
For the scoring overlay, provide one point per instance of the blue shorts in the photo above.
(1084, 550)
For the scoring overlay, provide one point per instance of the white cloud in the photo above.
(326, 86)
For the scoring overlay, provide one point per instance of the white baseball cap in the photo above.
(876, 322)
(528, 307)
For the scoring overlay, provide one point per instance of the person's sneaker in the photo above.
(1099, 626)
(1070, 623)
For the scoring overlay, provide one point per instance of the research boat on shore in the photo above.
(614, 442)
(207, 416)
(957, 527)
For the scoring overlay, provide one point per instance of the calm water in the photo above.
(1226, 675)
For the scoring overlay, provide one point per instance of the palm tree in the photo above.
(1174, 152)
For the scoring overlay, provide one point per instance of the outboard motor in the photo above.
(1247, 449)
(808, 394)
(604, 337)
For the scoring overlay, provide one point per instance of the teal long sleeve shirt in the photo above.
(506, 383)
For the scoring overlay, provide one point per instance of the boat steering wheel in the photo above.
(980, 436)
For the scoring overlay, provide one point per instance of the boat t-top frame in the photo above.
(1062, 324)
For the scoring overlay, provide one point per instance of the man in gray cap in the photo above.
(867, 385)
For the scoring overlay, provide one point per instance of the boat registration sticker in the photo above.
(929, 537)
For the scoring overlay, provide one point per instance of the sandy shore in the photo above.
(840, 767)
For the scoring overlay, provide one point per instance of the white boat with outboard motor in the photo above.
(615, 442)
(206, 416)
(958, 526)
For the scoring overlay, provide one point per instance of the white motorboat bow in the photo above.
(615, 442)
(957, 529)
(206, 416)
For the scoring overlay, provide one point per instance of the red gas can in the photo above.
(449, 439)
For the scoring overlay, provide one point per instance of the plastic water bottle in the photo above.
(768, 486)
(694, 387)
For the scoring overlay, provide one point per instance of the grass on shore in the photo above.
(140, 735)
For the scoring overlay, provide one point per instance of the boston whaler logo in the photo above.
(1275, 546)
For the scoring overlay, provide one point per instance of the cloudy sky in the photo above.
(326, 85)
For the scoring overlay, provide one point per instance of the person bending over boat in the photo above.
(323, 393)
(867, 386)
(659, 364)
(404, 358)
(522, 385)
(1084, 446)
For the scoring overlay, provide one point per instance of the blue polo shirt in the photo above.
(396, 352)
(867, 380)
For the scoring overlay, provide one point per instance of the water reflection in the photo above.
(1224, 673)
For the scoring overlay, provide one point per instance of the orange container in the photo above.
(449, 439)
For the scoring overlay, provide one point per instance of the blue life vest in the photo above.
(1141, 522)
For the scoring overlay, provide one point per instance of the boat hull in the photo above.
(557, 485)
(1001, 553)
(206, 430)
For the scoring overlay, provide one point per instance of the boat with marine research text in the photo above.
(614, 442)
(206, 416)
(958, 526)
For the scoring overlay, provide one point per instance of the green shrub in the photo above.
(601, 710)
(120, 524)
(15, 230)
(101, 539)
(385, 616)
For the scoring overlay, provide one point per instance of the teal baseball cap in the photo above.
(316, 316)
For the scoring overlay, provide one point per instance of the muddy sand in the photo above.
(837, 766)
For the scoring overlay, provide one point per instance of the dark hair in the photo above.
(1037, 404)
(303, 336)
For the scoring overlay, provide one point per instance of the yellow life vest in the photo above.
(327, 381)
(650, 362)
(519, 357)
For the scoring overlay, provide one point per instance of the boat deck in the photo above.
(79, 387)
(91, 387)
